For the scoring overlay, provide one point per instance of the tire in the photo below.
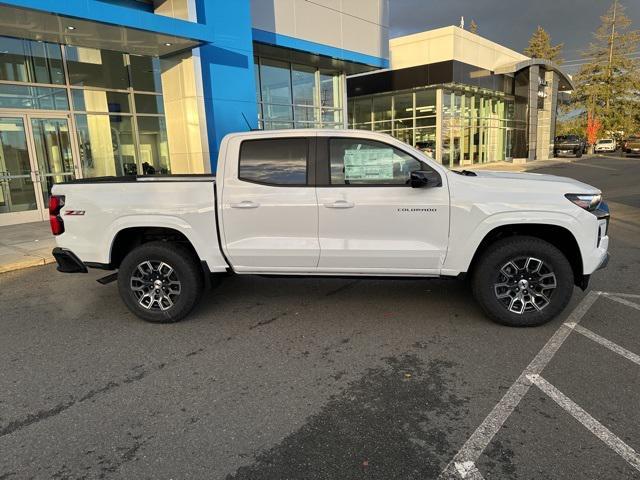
(489, 281)
(579, 154)
(178, 272)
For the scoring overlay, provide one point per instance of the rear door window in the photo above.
(276, 161)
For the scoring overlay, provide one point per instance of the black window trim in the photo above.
(311, 162)
(323, 164)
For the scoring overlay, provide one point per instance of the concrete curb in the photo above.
(27, 262)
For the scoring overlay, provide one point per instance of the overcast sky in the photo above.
(511, 22)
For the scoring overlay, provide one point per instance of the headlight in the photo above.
(587, 201)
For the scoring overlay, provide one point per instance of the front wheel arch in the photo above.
(559, 237)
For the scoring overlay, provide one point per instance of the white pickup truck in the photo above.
(334, 203)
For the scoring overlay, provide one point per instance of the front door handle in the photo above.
(245, 204)
(340, 204)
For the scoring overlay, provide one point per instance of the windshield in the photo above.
(605, 140)
(567, 138)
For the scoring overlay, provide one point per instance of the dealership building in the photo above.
(462, 98)
(114, 87)
(92, 88)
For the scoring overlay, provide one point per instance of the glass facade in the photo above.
(114, 99)
(292, 95)
(474, 125)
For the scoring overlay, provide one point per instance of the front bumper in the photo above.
(67, 261)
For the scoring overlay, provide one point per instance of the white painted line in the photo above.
(595, 427)
(628, 295)
(614, 347)
(623, 301)
(478, 441)
(468, 470)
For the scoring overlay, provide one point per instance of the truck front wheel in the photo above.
(160, 282)
(522, 281)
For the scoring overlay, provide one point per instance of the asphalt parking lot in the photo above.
(327, 378)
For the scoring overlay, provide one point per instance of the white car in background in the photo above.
(605, 145)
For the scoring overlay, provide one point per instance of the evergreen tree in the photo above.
(540, 46)
(473, 28)
(608, 84)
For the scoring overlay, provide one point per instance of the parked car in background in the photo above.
(428, 147)
(336, 203)
(632, 145)
(605, 145)
(565, 145)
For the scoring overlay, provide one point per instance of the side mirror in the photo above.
(425, 178)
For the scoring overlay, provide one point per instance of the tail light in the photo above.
(56, 202)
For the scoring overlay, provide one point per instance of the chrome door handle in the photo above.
(340, 204)
(245, 204)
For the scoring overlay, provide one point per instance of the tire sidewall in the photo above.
(500, 253)
(181, 260)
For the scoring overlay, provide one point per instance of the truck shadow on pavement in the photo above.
(391, 423)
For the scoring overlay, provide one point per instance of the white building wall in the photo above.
(357, 25)
(449, 43)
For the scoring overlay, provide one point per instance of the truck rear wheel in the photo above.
(160, 282)
(522, 281)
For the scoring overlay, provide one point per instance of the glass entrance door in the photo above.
(54, 156)
(35, 153)
(18, 199)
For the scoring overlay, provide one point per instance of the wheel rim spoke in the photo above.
(525, 284)
(155, 285)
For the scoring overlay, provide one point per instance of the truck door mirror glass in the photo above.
(425, 178)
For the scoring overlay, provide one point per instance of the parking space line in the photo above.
(478, 441)
(469, 471)
(623, 301)
(612, 294)
(595, 427)
(614, 347)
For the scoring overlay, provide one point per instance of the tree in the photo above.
(473, 27)
(608, 84)
(540, 46)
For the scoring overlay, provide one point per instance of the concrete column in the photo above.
(184, 99)
(547, 118)
(532, 120)
(439, 119)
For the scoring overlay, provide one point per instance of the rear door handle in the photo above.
(340, 204)
(245, 204)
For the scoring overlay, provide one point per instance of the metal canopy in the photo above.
(38, 25)
(565, 84)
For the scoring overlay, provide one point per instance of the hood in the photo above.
(519, 180)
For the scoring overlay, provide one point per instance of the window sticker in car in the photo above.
(369, 164)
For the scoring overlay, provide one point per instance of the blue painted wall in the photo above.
(227, 70)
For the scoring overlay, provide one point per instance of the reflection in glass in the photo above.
(91, 67)
(100, 101)
(145, 73)
(106, 145)
(17, 191)
(154, 151)
(276, 90)
(30, 61)
(274, 161)
(26, 97)
(149, 103)
(53, 152)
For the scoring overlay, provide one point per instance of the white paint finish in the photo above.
(478, 441)
(590, 423)
(371, 238)
(469, 471)
(356, 25)
(278, 231)
(614, 347)
(185, 206)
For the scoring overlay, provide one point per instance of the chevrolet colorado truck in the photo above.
(334, 203)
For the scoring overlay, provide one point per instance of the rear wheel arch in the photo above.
(558, 236)
(129, 238)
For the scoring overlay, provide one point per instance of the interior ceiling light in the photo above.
(71, 27)
(167, 44)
